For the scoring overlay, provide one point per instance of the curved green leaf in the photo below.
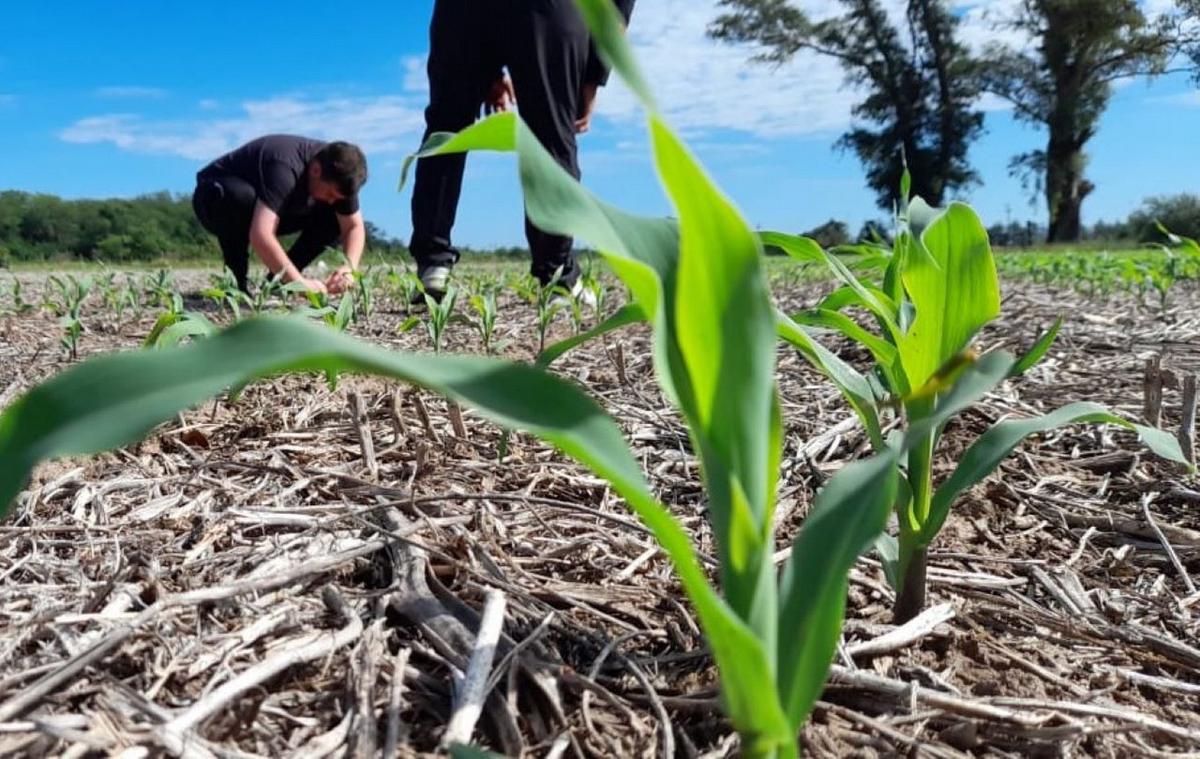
(807, 249)
(854, 387)
(883, 352)
(950, 278)
(630, 313)
(1035, 354)
(986, 453)
(848, 516)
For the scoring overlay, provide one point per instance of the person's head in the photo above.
(337, 172)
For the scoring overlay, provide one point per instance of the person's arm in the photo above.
(595, 75)
(354, 241)
(263, 225)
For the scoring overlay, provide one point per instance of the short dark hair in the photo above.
(345, 165)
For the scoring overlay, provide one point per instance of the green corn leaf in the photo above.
(887, 548)
(853, 386)
(725, 337)
(976, 381)
(849, 514)
(160, 324)
(846, 296)
(986, 453)
(806, 249)
(883, 352)
(192, 325)
(630, 313)
(1039, 349)
(950, 278)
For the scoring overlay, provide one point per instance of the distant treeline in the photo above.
(35, 227)
(1178, 213)
(162, 226)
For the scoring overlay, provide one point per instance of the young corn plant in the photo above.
(406, 284)
(72, 329)
(71, 294)
(365, 288)
(484, 305)
(549, 303)
(159, 288)
(939, 289)
(17, 293)
(223, 291)
(772, 635)
(441, 315)
(320, 306)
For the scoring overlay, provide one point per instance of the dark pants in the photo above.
(544, 45)
(225, 205)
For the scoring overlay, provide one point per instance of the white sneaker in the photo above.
(579, 294)
(434, 281)
(435, 278)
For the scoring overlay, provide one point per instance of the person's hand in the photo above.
(501, 96)
(587, 104)
(340, 281)
(313, 285)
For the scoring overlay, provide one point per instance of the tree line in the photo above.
(1178, 213)
(923, 86)
(152, 227)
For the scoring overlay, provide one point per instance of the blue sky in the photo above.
(117, 99)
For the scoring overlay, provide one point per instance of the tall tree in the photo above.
(920, 84)
(1063, 82)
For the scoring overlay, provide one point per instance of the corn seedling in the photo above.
(72, 327)
(225, 294)
(441, 315)
(526, 288)
(67, 294)
(939, 289)
(17, 292)
(365, 285)
(715, 353)
(550, 300)
(484, 305)
(159, 287)
(173, 328)
(771, 634)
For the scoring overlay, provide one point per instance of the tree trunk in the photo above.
(1065, 190)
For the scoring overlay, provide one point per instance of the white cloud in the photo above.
(377, 124)
(703, 85)
(208, 104)
(415, 80)
(130, 92)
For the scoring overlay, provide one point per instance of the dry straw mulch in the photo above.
(301, 572)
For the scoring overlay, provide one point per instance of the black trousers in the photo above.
(544, 44)
(224, 205)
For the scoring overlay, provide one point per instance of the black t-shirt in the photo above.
(276, 166)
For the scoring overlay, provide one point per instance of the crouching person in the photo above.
(279, 185)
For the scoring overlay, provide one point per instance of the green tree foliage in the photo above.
(919, 81)
(830, 234)
(1063, 82)
(39, 227)
(1178, 213)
